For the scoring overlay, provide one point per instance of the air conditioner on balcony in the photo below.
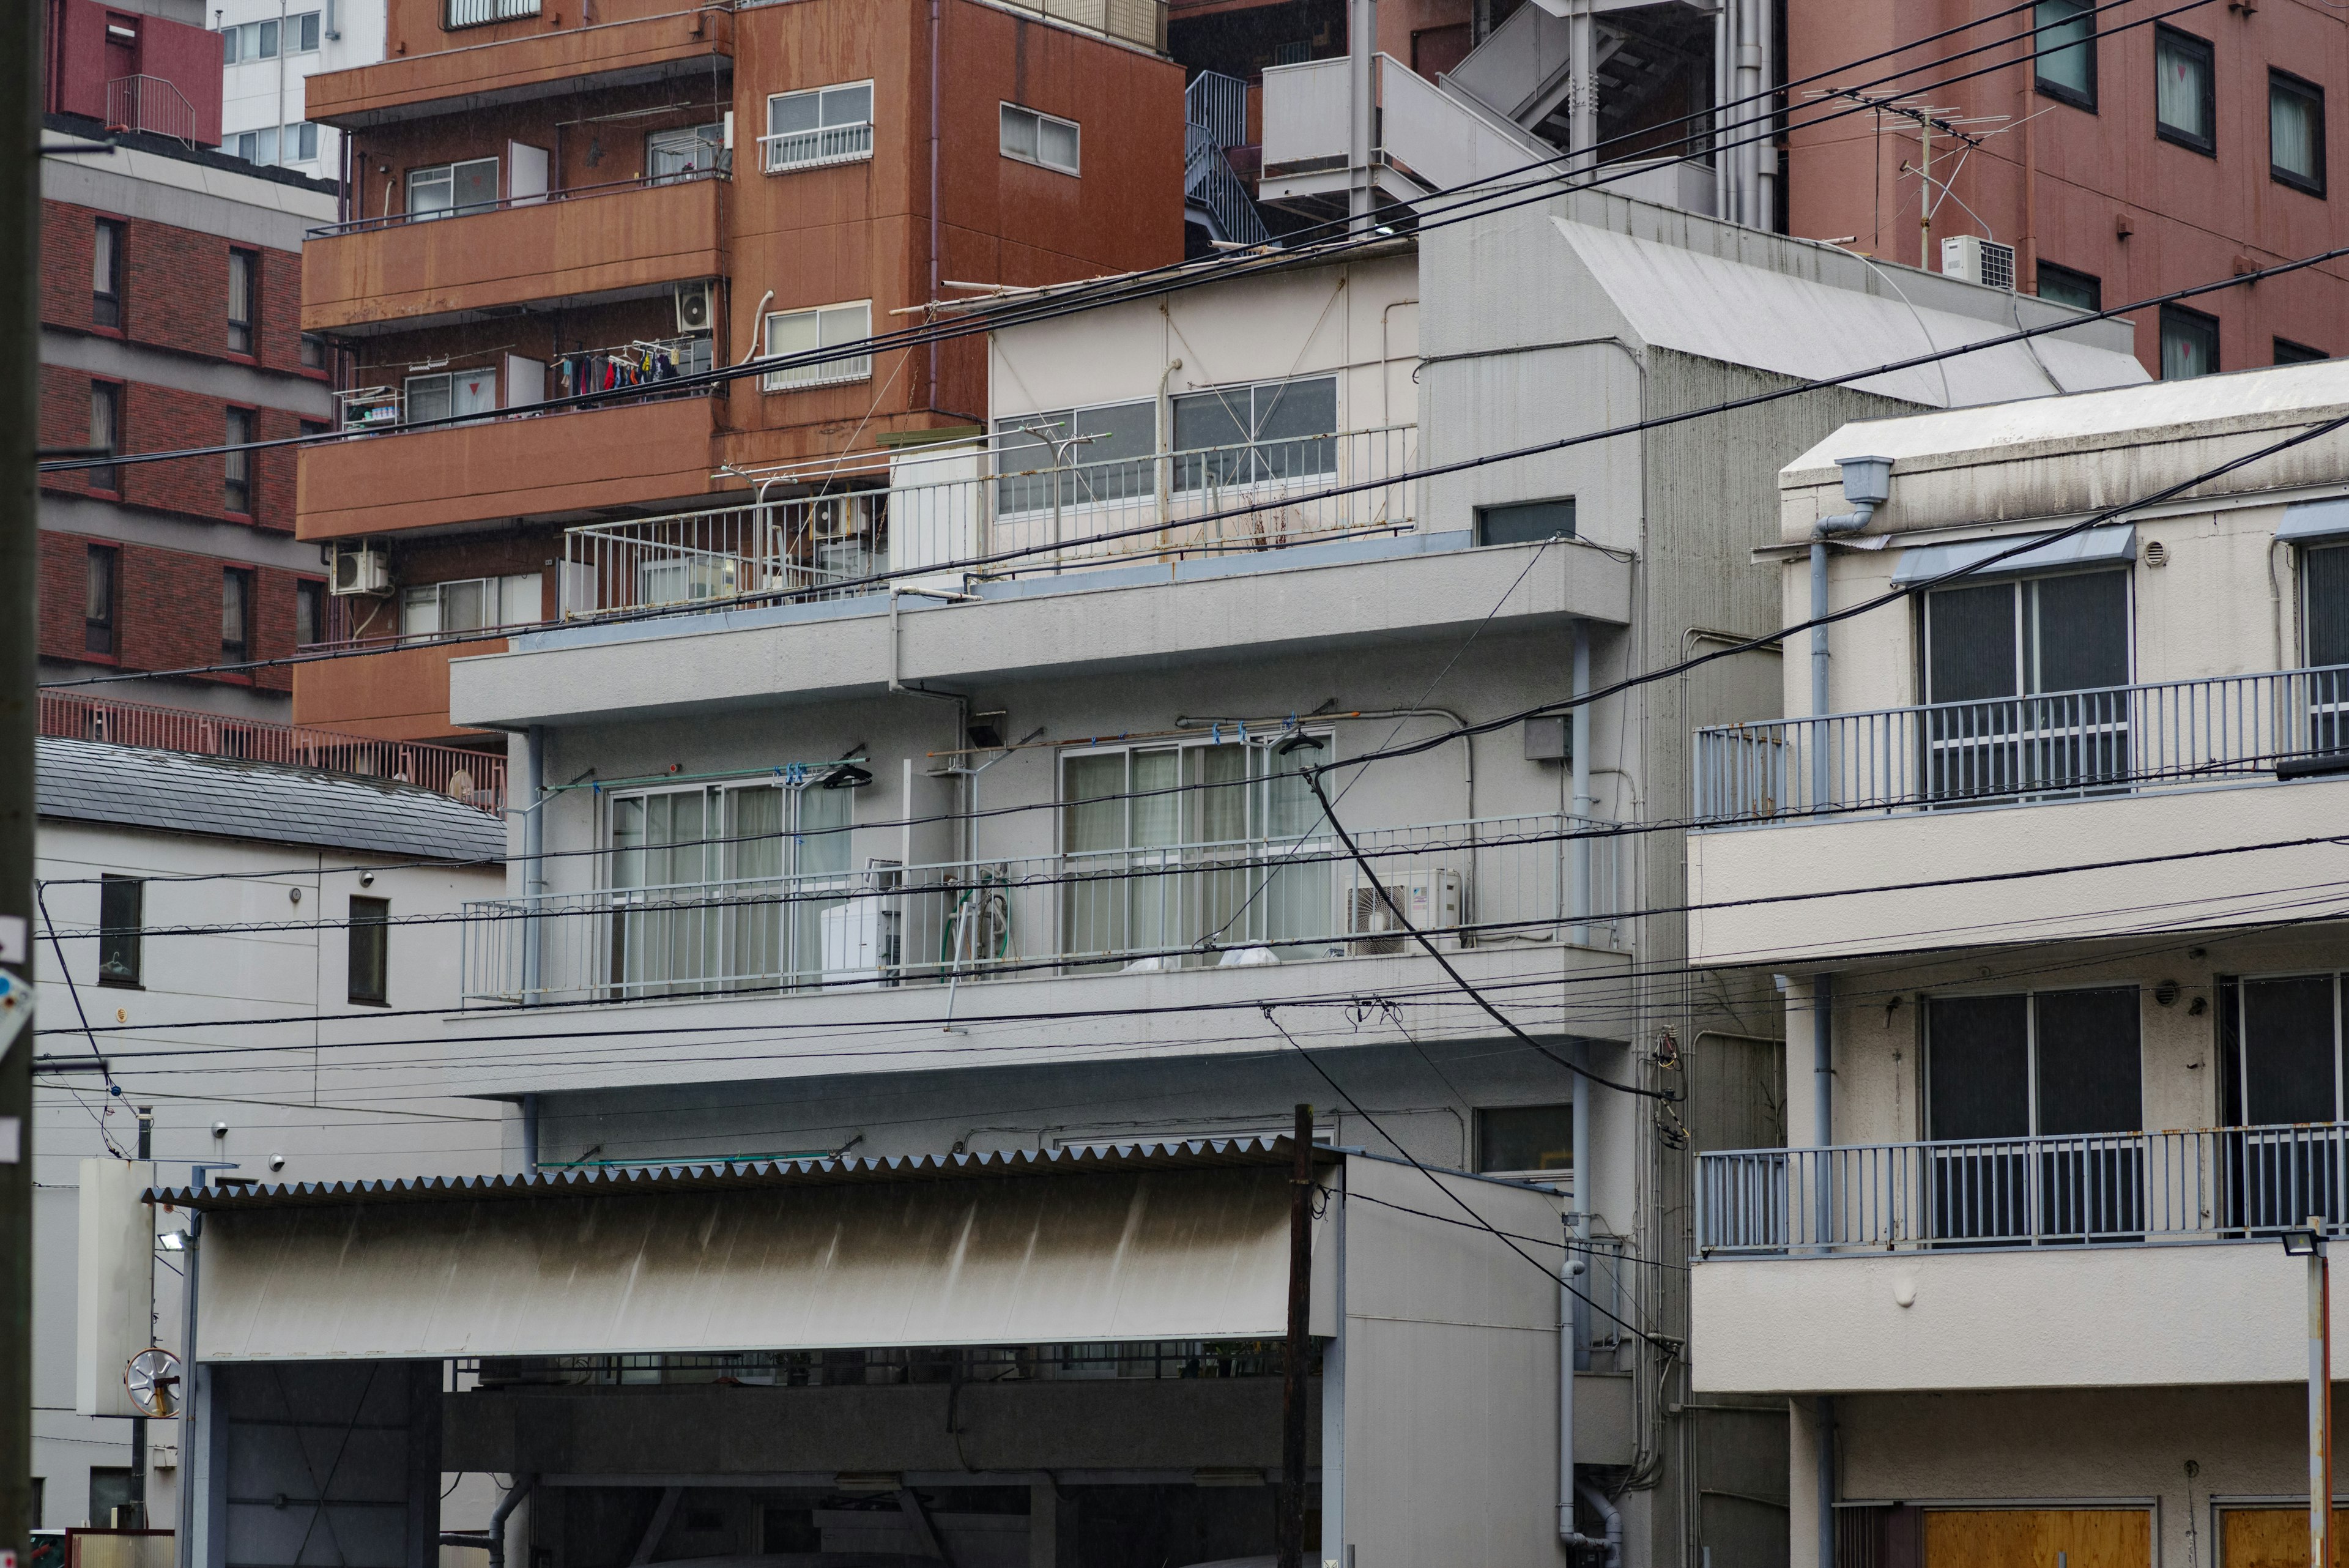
(361, 569)
(1429, 897)
(1978, 260)
(861, 943)
(693, 307)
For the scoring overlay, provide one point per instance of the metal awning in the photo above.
(2112, 545)
(1181, 1242)
(2306, 522)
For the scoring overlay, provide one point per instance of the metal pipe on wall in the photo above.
(1571, 1331)
(1362, 70)
(1578, 897)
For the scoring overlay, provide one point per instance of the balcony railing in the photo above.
(2169, 735)
(785, 151)
(1227, 905)
(506, 204)
(476, 12)
(2203, 1184)
(149, 103)
(476, 778)
(1045, 519)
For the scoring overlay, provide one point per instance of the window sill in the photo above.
(2203, 145)
(121, 335)
(111, 984)
(111, 660)
(369, 1002)
(2291, 181)
(1039, 164)
(2084, 102)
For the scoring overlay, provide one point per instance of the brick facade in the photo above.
(166, 613)
(163, 419)
(175, 288)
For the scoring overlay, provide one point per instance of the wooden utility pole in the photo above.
(1290, 1534)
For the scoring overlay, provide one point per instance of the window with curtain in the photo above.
(107, 268)
(1166, 847)
(243, 285)
(236, 615)
(98, 599)
(1105, 452)
(2065, 286)
(2185, 92)
(1256, 434)
(2064, 58)
(106, 434)
(2024, 685)
(443, 189)
(121, 923)
(2064, 1067)
(727, 888)
(2296, 132)
(2190, 344)
(672, 155)
(237, 483)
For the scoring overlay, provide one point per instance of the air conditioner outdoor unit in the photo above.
(693, 307)
(1429, 897)
(1978, 260)
(861, 943)
(361, 569)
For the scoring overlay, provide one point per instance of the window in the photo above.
(1517, 1138)
(106, 266)
(671, 155)
(236, 491)
(2065, 1066)
(740, 887)
(473, 13)
(1033, 138)
(370, 957)
(1254, 434)
(823, 125)
(2065, 286)
(2325, 605)
(451, 394)
(253, 146)
(804, 331)
(313, 352)
(2296, 132)
(2185, 106)
(2064, 57)
(1105, 452)
(449, 188)
(98, 600)
(300, 143)
(471, 604)
(250, 41)
(106, 432)
(236, 613)
(2288, 352)
(2189, 343)
(121, 905)
(1206, 842)
(243, 280)
(2021, 683)
(1526, 521)
(309, 612)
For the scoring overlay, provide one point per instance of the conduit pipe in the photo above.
(506, 1505)
(1570, 1337)
(1613, 1540)
(1867, 482)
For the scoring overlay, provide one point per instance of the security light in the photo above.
(173, 1240)
(2301, 1242)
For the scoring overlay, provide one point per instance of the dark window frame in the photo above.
(2287, 352)
(2301, 88)
(107, 478)
(109, 307)
(1497, 1125)
(310, 600)
(2206, 145)
(236, 464)
(1522, 522)
(121, 925)
(238, 652)
(315, 355)
(2061, 92)
(2185, 314)
(245, 335)
(367, 976)
(103, 628)
(2092, 285)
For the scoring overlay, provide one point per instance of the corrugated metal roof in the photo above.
(224, 797)
(610, 1181)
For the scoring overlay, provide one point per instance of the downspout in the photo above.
(935, 225)
(1570, 1337)
(1579, 901)
(1614, 1518)
(533, 858)
(506, 1505)
(1826, 1482)
(1867, 481)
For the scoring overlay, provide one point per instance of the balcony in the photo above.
(1233, 905)
(563, 248)
(477, 778)
(544, 62)
(520, 463)
(2067, 1262)
(2175, 805)
(1214, 503)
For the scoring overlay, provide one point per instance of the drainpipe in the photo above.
(1571, 1336)
(1867, 481)
(533, 858)
(1826, 1482)
(936, 265)
(506, 1505)
(1614, 1518)
(1579, 899)
(1362, 70)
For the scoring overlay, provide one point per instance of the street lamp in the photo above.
(2308, 1241)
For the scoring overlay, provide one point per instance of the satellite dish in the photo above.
(153, 1380)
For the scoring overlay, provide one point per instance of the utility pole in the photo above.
(1290, 1531)
(20, 271)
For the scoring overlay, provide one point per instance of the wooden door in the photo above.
(2040, 1537)
(2272, 1537)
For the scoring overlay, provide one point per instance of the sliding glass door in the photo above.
(2025, 685)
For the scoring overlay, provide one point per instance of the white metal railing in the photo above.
(2170, 734)
(1157, 908)
(1218, 104)
(2200, 1184)
(474, 13)
(1098, 513)
(149, 103)
(784, 151)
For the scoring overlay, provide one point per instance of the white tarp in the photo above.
(1140, 1255)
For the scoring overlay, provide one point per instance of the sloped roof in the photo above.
(224, 797)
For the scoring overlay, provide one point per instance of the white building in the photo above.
(331, 884)
(850, 904)
(2053, 882)
(269, 49)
